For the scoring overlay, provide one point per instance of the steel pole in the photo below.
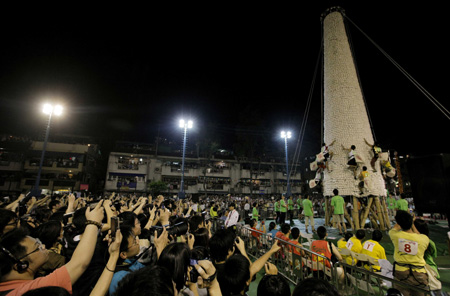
(181, 195)
(47, 132)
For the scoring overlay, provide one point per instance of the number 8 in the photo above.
(407, 248)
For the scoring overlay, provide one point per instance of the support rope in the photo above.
(433, 100)
(301, 134)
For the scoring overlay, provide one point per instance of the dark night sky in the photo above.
(121, 72)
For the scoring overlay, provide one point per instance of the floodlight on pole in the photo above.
(185, 125)
(49, 110)
(285, 136)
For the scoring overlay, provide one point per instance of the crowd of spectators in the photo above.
(125, 245)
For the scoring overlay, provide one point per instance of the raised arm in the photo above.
(109, 214)
(103, 283)
(71, 203)
(368, 144)
(85, 249)
(259, 263)
(151, 219)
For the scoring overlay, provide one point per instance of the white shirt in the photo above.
(232, 218)
(351, 155)
(247, 207)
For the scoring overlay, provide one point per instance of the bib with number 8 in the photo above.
(408, 247)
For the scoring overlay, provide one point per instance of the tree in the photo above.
(157, 187)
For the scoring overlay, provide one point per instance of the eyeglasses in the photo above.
(136, 242)
(40, 247)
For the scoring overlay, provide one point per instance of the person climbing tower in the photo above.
(318, 177)
(363, 176)
(376, 153)
(352, 164)
(327, 154)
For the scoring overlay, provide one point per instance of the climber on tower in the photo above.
(352, 164)
(327, 154)
(376, 151)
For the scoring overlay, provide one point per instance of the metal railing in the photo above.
(296, 263)
(365, 282)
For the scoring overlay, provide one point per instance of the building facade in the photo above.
(130, 173)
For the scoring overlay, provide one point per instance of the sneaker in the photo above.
(306, 231)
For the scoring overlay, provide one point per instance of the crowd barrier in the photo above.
(296, 263)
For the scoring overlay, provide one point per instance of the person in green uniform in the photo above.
(290, 208)
(276, 207)
(255, 213)
(392, 204)
(337, 207)
(402, 203)
(431, 251)
(283, 210)
(309, 213)
(300, 207)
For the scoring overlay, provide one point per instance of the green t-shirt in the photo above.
(283, 209)
(276, 206)
(255, 214)
(307, 207)
(290, 204)
(430, 254)
(338, 203)
(402, 204)
(392, 203)
(299, 203)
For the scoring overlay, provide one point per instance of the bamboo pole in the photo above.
(380, 213)
(367, 209)
(327, 211)
(362, 222)
(372, 219)
(348, 218)
(373, 215)
(355, 213)
(387, 220)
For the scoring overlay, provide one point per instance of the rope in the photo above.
(298, 148)
(433, 100)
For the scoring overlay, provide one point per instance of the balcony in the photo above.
(54, 166)
(10, 166)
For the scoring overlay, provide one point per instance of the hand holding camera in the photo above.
(206, 273)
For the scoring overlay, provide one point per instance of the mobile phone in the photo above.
(114, 226)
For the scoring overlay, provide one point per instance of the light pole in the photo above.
(50, 110)
(185, 125)
(285, 136)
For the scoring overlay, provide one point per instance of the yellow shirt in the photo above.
(409, 248)
(342, 244)
(354, 245)
(375, 250)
